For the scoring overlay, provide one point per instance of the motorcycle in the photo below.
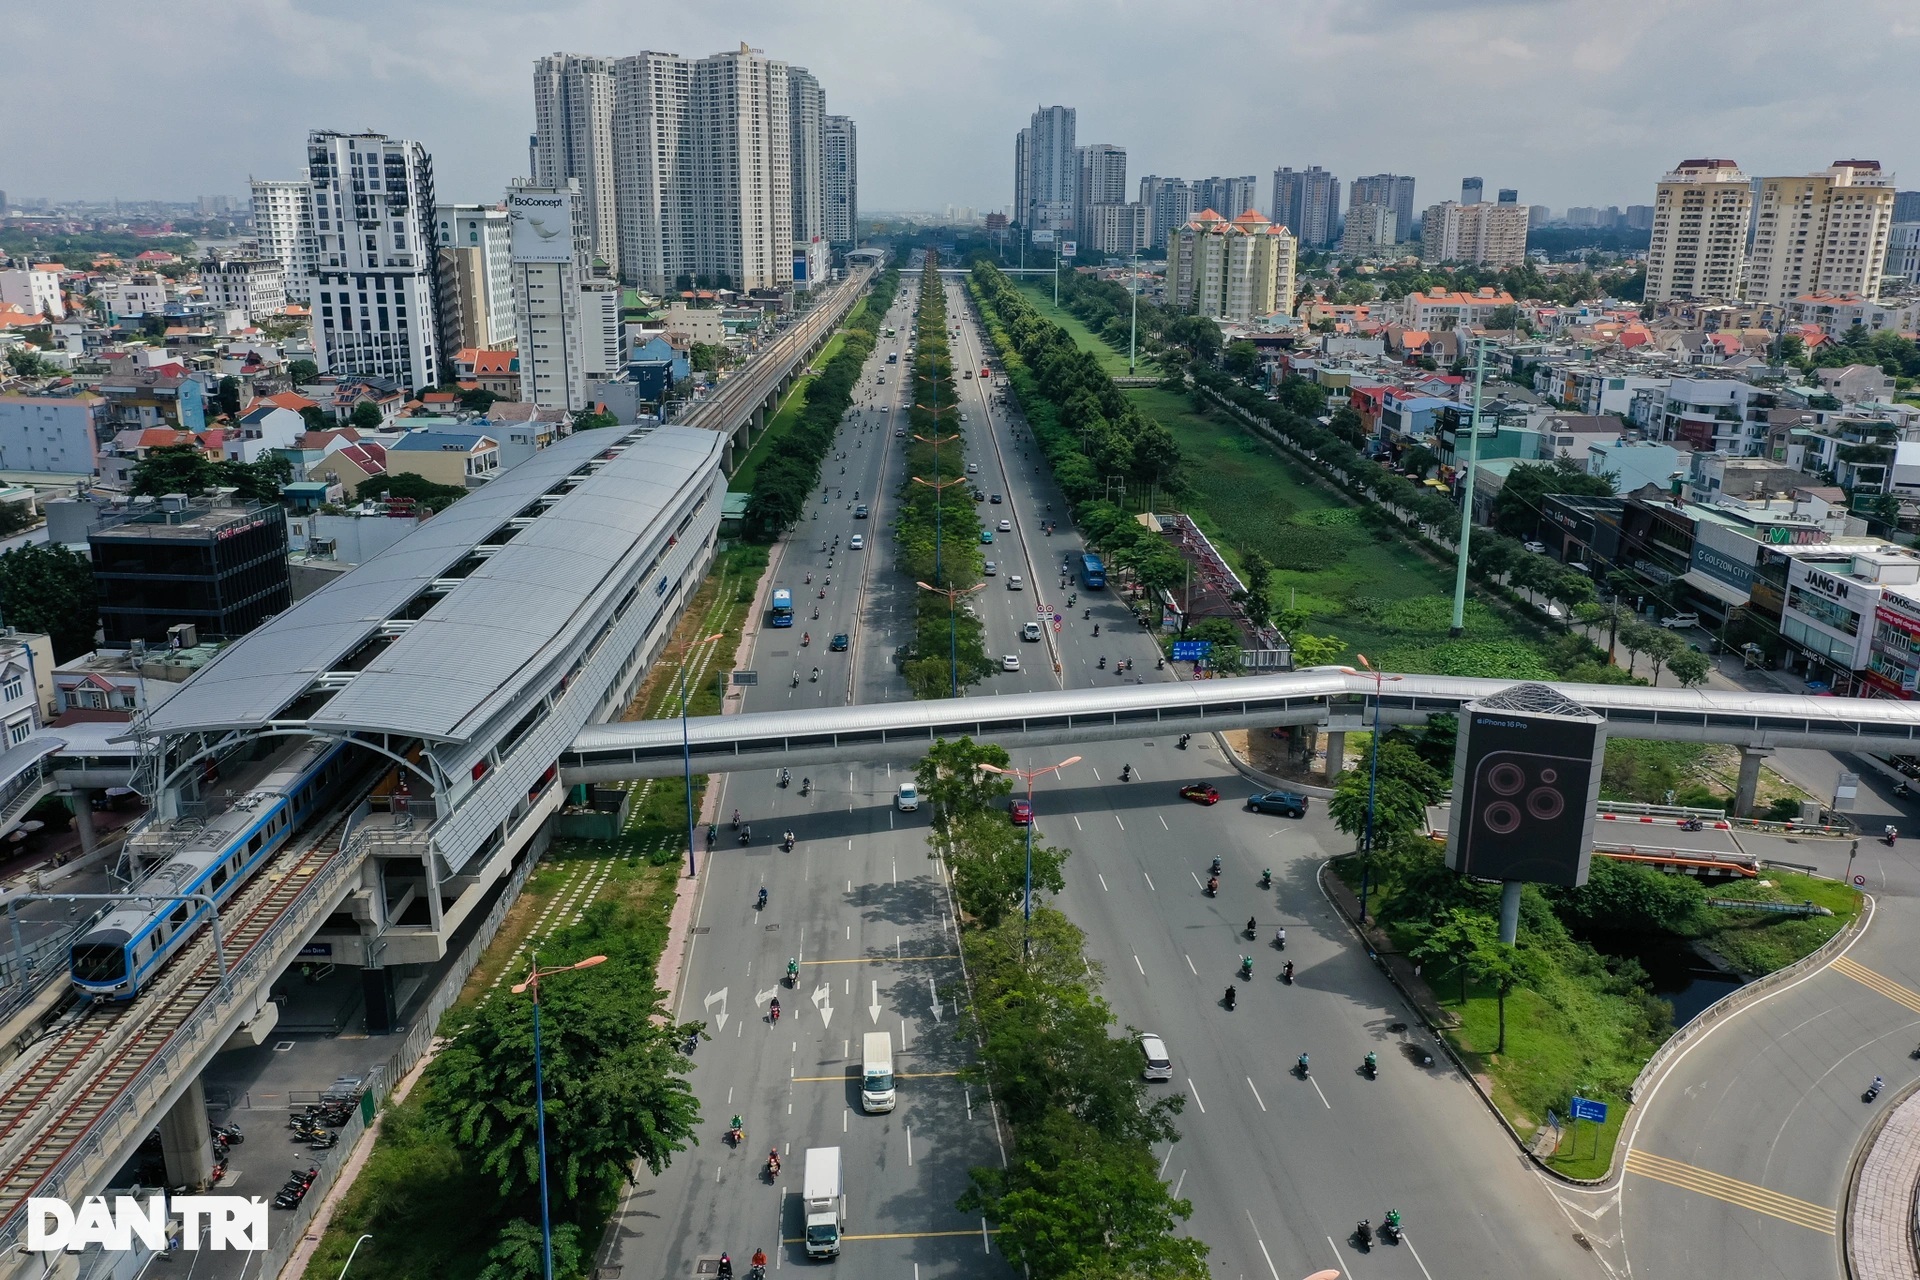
(786, 846)
(1213, 886)
(746, 835)
(773, 1010)
(1892, 834)
(773, 1165)
(1363, 1236)
(1096, 629)
(793, 974)
(1185, 738)
(815, 677)
(1215, 868)
(1126, 773)
(1232, 997)
(806, 638)
(1286, 973)
(1266, 878)
(1300, 1067)
(1691, 824)
(1246, 968)
(1370, 1067)
(785, 777)
(1390, 1227)
(1249, 928)
(762, 904)
(1873, 1090)
(1159, 664)
(816, 613)
(796, 680)
(736, 1132)
(1103, 667)
(1280, 939)
(806, 786)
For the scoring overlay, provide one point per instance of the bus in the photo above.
(1093, 574)
(782, 607)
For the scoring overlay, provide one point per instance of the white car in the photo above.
(1159, 1066)
(1014, 583)
(857, 542)
(973, 468)
(992, 567)
(1006, 526)
(1538, 548)
(1677, 620)
(908, 797)
(1010, 663)
(1030, 632)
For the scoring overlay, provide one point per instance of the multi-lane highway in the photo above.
(1279, 1168)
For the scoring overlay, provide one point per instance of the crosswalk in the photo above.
(1747, 1195)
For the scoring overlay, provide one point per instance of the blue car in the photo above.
(1288, 804)
(986, 535)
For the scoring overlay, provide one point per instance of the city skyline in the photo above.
(936, 123)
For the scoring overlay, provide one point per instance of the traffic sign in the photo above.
(1588, 1109)
(746, 677)
(1859, 881)
(1192, 650)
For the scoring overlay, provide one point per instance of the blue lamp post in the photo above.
(539, 1091)
(686, 761)
(1028, 775)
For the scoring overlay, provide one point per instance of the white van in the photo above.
(876, 1072)
(1159, 1066)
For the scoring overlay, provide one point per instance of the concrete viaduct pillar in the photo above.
(1749, 788)
(186, 1144)
(1336, 753)
(83, 819)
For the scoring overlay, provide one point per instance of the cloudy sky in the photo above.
(1578, 102)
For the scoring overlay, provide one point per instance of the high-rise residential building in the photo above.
(1485, 234)
(256, 286)
(1472, 190)
(1053, 170)
(1639, 217)
(1308, 204)
(1390, 189)
(1823, 232)
(1118, 229)
(1102, 180)
(1906, 206)
(654, 178)
(549, 235)
(807, 117)
(573, 138)
(1903, 252)
(476, 275)
(842, 200)
(1699, 226)
(1508, 195)
(374, 283)
(1229, 197)
(1169, 204)
(1368, 231)
(283, 225)
(1023, 177)
(1231, 270)
(1538, 215)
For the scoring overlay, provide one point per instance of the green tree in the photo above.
(366, 416)
(50, 589)
(950, 778)
(25, 362)
(1242, 359)
(302, 373)
(1451, 942)
(1630, 897)
(521, 1255)
(1503, 966)
(1636, 638)
(1397, 806)
(593, 420)
(174, 468)
(1516, 512)
(405, 484)
(1689, 667)
(316, 418)
(988, 855)
(1662, 645)
(228, 396)
(705, 357)
(477, 399)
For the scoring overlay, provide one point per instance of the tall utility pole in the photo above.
(1459, 626)
(1133, 318)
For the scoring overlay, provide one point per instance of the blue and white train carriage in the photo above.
(130, 944)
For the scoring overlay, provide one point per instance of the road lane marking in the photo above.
(1163, 821)
(1745, 1195)
(1076, 823)
(1103, 883)
(1256, 1093)
(904, 1235)
(1879, 982)
(909, 1146)
(1416, 1256)
(1316, 1089)
(1142, 968)
(1180, 1182)
(1196, 877)
(1196, 1096)
(1096, 773)
(1116, 818)
(879, 959)
(1190, 969)
(1149, 880)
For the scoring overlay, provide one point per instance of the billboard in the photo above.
(1526, 777)
(542, 223)
(1069, 248)
(1043, 236)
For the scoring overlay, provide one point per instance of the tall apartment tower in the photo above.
(476, 276)
(567, 316)
(1102, 180)
(283, 223)
(807, 112)
(573, 138)
(1472, 190)
(653, 170)
(1228, 197)
(1699, 245)
(1492, 235)
(743, 232)
(1825, 232)
(1308, 204)
(1023, 178)
(1169, 203)
(1053, 169)
(1392, 190)
(842, 199)
(1238, 269)
(375, 282)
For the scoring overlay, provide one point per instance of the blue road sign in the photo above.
(1587, 1109)
(1191, 650)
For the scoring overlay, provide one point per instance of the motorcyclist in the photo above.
(806, 785)
(806, 638)
(816, 673)
(1390, 1225)
(793, 971)
(1280, 938)
(1232, 996)
(1286, 972)
(1246, 966)
(1216, 865)
(1250, 926)
(1372, 1063)
(726, 1267)
(1266, 878)
(1126, 773)
(1096, 628)
(1302, 1064)
(1213, 884)
(763, 897)
(774, 1008)
(738, 1128)
(760, 1255)
(736, 817)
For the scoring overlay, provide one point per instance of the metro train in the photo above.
(129, 944)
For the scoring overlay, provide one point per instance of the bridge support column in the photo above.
(83, 819)
(1749, 788)
(1336, 753)
(185, 1142)
(376, 987)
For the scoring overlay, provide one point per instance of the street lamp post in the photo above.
(1133, 318)
(1026, 909)
(1466, 497)
(356, 1249)
(1373, 780)
(936, 441)
(539, 1092)
(953, 626)
(686, 748)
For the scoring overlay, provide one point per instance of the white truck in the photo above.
(825, 1202)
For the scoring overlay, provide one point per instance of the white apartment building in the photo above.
(807, 123)
(1700, 215)
(1493, 235)
(33, 290)
(573, 104)
(1306, 202)
(1102, 181)
(283, 225)
(1436, 310)
(550, 246)
(743, 151)
(375, 273)
(1238, 270)
(1369, 230)
(654, 178)
(600, 350)
(476, 256)
(138, 295)
(1169, 203)
(257, 286)
(1823, 232)
(1053, 170)
(1119, 229)
(842, 181)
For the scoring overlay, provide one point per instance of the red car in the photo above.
(1200, 793)
(1021, 812)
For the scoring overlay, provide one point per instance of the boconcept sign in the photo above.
(229, 1222)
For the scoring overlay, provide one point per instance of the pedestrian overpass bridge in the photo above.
(1331, 698)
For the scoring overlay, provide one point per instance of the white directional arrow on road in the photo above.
(720, 998)
(935, 993)
(820, 994)
(762, 997)
(873, 1009)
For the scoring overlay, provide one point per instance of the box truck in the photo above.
(826, 1202)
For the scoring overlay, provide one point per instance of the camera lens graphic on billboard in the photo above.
(1526, 778)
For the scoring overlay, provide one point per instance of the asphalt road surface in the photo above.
(1279, 1168)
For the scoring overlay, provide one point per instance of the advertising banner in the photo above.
(1525, 784)
(542, 224)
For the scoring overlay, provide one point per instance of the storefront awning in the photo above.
(1725, 592)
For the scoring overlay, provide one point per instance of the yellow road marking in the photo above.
(878, 959)
(853, 1073)
(1801, 1213)
(1879, 982)
(900, 1235)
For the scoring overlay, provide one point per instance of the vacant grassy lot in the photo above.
(1114, 362)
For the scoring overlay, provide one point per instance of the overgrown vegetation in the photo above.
(50, 589)
(1081, 1194)
(783, 480)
